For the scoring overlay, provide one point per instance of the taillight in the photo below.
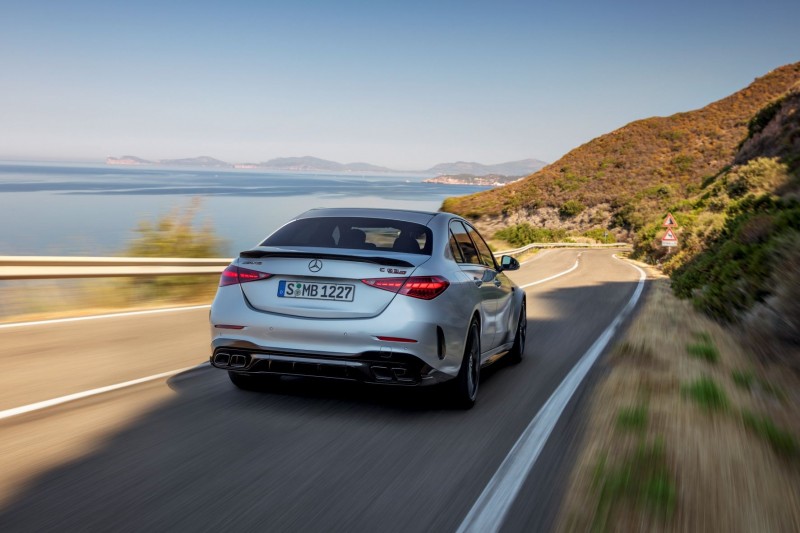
(235, 274)
(423, 287)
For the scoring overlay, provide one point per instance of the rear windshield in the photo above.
(355, 233)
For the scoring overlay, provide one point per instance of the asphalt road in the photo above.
(192, 453)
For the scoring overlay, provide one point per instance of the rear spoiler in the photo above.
(378, 260)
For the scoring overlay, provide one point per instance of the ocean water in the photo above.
(71, 209)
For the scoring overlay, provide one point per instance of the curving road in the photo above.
(190, 452)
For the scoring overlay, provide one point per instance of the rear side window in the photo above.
(469, 254)
(483, 249)
(455, 250)
(355, 233)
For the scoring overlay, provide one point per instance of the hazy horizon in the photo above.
(402, 86)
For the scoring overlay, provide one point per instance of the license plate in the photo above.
(316, 291)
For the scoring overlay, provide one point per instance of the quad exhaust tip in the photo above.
(237, 361)
(231, 361)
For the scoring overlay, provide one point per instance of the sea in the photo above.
(93, 209)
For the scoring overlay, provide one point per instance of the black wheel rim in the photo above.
(473, 369)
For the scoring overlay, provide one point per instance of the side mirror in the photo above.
(508, 263)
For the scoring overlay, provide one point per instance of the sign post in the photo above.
(669, 240)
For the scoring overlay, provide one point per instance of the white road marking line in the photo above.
(8, 413)
(551, 277)
(490, 510)
(535, 257)
(95, 317)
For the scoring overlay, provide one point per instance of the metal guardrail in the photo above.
(45, 267)
(531, 246)
(49, 267)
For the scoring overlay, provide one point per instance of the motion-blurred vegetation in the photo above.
(173, 234)
(685, 431)
(176, 234)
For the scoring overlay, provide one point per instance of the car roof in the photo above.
(419, 217)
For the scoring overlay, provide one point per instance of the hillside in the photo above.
(627, 178)
(741, 255)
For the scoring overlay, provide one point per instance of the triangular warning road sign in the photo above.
(669, 222)
(669, 236)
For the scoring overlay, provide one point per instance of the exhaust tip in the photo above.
(382, 373)
(222, 359)
(237, 361)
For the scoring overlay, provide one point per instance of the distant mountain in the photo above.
(523, 167)
(127, 160)
(202, 161)
(366, 167)
(309, 163)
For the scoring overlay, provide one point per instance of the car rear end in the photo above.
(337, 296)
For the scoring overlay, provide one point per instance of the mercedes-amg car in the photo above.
(373, 295)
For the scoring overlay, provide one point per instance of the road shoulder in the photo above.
(685, 431)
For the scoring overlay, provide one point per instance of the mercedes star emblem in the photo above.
(315, 265)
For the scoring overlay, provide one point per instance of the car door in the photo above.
(500, 289)
(481, 275)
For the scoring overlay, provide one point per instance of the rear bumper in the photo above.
(435, 333)
(366, 367)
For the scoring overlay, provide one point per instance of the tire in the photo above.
(250, 381)
(515, 355)
(465, 386)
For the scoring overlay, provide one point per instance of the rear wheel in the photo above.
(465, 386)
(251, 381)
(515, 355)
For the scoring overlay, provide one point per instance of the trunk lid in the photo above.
(320, 283)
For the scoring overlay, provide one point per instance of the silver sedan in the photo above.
(373, 295)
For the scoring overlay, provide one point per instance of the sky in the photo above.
(401, 84)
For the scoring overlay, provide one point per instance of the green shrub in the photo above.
(571, 208)
(175, 234)
(706, 393)
(643, 478)
(632, 418)
(682, 162)
(704, 348)
(781, 440)
(736, 270)
(763, 117)
(774, 390)
(522, 234)
(743, 379)
(601, 235)
(758, 175)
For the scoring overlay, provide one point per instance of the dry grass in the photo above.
(657, 457)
